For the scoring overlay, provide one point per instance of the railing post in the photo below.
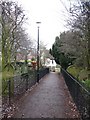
(26, 82)
(9, 90)
(38, 76)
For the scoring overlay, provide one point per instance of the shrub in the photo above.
(74, 70)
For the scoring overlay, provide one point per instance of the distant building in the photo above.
(50, 63)
(22, 56)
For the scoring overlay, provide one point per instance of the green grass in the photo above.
(87, 84)
(74, 70)
(81, 74)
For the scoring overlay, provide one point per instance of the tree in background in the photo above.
(80, 21)
(11, 17)
(73, 46)
(44, 53)
(64, 49)
(14, 38)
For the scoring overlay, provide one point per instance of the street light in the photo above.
(38, 54)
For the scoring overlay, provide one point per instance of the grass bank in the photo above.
(80, 74)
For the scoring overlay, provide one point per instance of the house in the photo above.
(50, 63)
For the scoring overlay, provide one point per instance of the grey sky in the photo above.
(51, 15)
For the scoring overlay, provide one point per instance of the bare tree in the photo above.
(13, 35)
(79, 20)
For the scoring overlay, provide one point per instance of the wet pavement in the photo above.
(49, 99)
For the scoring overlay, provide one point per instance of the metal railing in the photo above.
(13, 88)
(80, 95)
(42, 74)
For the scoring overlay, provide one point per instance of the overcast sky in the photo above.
(51, 15)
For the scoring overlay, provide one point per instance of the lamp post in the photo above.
(38, 54)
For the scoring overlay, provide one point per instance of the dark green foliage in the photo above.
(58, 51)
(33, 59)
(81, 21)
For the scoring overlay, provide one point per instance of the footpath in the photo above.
(48, 99)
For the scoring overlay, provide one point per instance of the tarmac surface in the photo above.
(48, 99)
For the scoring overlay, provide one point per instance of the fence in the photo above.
(41, 73)
(18, 85)
(79, 94)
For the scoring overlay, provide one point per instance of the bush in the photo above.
(86, 83)
(81, 74)
(74, 71)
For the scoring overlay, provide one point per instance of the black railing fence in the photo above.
(42, 74)
(79, 94)
(13, 88)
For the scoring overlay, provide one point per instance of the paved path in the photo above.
(49, 99)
